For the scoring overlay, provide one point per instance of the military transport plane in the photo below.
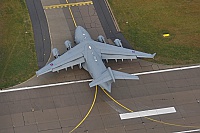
(90, 54)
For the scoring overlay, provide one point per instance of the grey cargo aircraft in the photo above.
(90, 54)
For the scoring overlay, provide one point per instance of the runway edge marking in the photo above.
(44, 86)
(167, 70)
(88, 80)
(189, 131)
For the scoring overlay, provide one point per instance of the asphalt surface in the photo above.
(41, 31)
(108, 22)
(59, 109)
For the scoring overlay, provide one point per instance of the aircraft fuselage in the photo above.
(93, 64)
(89, 55)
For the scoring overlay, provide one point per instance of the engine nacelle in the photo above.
(55, 53)
(118, 43)
(68, 44)
(100, 38)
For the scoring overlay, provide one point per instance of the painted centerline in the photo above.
(147, 113)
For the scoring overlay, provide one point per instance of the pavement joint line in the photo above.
(189, 131)
(68, 5)
(88, 80)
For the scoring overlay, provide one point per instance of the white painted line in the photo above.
(88, 80)
(189, 131)
(43, 86)
(147, 113)
(167, 70)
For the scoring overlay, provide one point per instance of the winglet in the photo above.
(37, 74)
(153, 55)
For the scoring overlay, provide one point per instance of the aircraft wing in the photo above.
(72, 57)
(113, 52)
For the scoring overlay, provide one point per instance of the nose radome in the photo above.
(81, 34)
(78, 28)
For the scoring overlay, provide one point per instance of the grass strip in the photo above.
(17, 57)
(144, 22)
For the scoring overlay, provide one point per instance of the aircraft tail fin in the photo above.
(109, 76)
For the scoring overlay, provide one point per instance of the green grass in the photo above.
(149, 19)
(17, 56)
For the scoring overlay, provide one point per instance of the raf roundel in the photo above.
(51, 64)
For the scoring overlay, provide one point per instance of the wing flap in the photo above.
(115, 56)
(69, 64)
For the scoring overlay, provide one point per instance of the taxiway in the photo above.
(58, 109)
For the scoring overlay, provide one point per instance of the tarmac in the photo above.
(59, 109)
(41, 31)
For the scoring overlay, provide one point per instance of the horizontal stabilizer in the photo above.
(122, 75)
(109, 76)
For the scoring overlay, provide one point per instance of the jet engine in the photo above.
(100, 38)
(68, 44)
(118, 43)
(55, 53)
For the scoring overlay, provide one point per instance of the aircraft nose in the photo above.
(78, 29)
(78, 33)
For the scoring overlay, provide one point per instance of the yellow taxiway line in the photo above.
(70, 10)
(68, 5)
(89, 111)
(151, 119)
